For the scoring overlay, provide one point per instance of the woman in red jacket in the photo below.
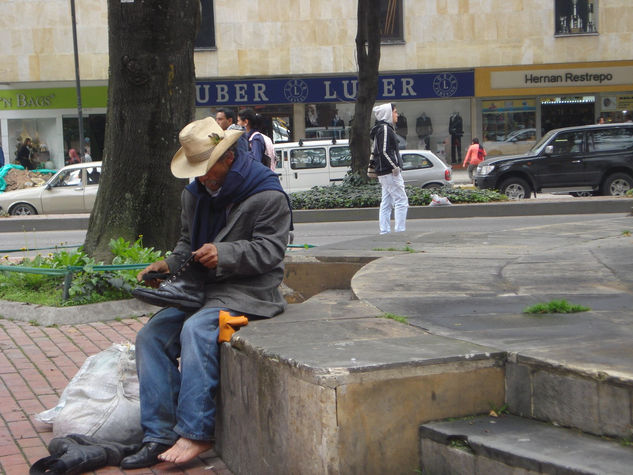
(475, 155)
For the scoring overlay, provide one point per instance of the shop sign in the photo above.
(542, 78)
(509, 105)
(333, 89)
(53, 98)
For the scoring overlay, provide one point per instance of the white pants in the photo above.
(393, 197)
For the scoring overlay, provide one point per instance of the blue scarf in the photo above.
(245, 178)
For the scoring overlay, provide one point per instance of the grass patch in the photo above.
(397, 318)
(395, 249)
(628, 442)
(555, 306)
(460, 444)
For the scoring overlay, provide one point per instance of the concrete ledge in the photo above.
(511, 445)
(506, 208)
(328, 388)
(96, 312)
(15, 224)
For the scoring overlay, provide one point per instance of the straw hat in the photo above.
(202, 142)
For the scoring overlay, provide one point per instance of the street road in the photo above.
(320, 234)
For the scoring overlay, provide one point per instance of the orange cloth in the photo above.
(472, 157)
(229, 325)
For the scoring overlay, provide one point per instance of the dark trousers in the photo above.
(456, 147)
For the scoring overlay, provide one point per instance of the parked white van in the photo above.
(307, 163)
(304, 164)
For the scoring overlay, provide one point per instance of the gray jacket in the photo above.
(251, 249)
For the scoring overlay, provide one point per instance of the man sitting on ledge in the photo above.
(235, 223)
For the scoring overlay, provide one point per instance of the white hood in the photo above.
(383, 112)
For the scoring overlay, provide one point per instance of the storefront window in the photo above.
(325, 121)
(575, 17)
(508, 126)
(566, 111)
(43, 137)
(616, 108)
(94, 135)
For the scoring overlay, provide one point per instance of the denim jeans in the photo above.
(179, 402)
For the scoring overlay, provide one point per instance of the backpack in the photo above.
(269, 159)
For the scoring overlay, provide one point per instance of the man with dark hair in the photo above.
(226, 119)
(235, 221)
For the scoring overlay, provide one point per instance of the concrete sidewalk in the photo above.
(469, 288)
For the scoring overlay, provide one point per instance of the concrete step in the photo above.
(514, 445)
(596, 402)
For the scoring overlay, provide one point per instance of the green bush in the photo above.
(368, 196)
(88, 285)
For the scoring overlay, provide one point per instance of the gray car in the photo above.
(425, 169)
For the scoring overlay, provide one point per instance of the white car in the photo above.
(72, 189)
(425, 169)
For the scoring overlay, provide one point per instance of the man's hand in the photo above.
(396, 171)
(207, 255)
(158, 266)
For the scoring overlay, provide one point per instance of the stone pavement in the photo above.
(471, 286)
(36, 363)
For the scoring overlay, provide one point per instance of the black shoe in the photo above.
(70, 458)
(183, 290)
(146, 457)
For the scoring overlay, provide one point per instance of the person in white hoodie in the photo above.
(388, 164)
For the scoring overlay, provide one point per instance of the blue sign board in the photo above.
(395, 87)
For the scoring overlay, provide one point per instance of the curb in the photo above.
(96, 312)
(530, 207)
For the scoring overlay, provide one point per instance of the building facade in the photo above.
(456, 68)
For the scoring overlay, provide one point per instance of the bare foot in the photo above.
(184, 450)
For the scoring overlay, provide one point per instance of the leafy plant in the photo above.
(88, 285)
(555, 306)
(368, 195)
(498, 411)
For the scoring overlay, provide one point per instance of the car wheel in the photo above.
(581, 194)
(617, 184)
(432, 186)
(22, 209)
(515, 188)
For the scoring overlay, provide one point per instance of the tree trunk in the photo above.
(368, 56)
(151, 97)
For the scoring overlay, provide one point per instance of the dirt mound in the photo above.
(19, 179)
